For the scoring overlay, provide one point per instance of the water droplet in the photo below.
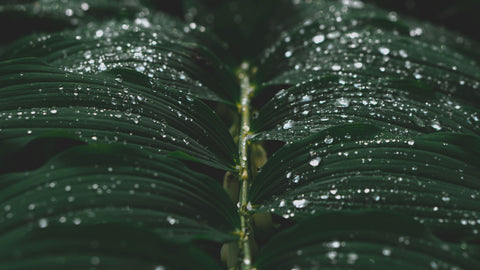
(403, 53)
(159, 267)
(77, 221)
(358, 65)
(411, 142)
(342, 102)
(171, 220)
(386, 252)
(384, 50)
(315, 162)
(87, 54)
(84, 6)
(336, 67)
(302, 203)
(318, 38)
(102, 67)
(69, 12)
(333, 35)
(334, 244)
(306, 98)
(288, 124)
(296, 179)
(288, 54)
(43, 223)
(436, 125)
(99, 33)
(328, 139)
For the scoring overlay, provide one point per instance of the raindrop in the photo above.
(171, 220)
(43, 223)
(436, 125)
(333, 35)
(318, 38)
(102, 67)
(69, 12)
(336, 67)
(386, 252)
(328, 140)
(288, 124)
(302, 203)
(315, 162)
(403, 53)
(342, 102)
(85, 6)
(384, 50)
(288, 54)
(296, 179)
(99, 33)
(358, 65)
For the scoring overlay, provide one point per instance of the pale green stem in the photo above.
(244, 108)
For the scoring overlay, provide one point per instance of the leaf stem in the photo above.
(244, 110)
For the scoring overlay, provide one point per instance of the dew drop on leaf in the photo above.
(342, 102)
(288, 124)
(318, 38)
(384, 50)
(302, 203)
(315, 162)
(43, 223)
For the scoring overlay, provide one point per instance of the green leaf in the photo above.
(433, 178)
(108, 158)
(170, 53)
(367, 41)
(37, 98)
(112, 184)
(399, 106)
(100, 246)
(362, 240)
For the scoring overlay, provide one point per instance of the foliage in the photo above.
(347, 136)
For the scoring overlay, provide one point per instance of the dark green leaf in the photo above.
(100, 246)
(362, 240)
(112, 184)
(170, 53)
(433, 178)
(37, 98)
(360, 43)
(399, 106)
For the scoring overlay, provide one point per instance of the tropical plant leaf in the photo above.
(109, 158)
(399, 106)
(433, 178)
(170, 53)
(100, 246)
(365, 240)
(112, 184)
(367, 41)
(37, 98)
